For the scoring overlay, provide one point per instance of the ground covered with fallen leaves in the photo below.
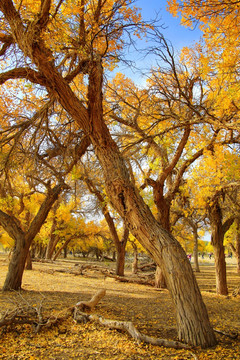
(150, 310)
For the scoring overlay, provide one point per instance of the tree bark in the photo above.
(238, 245)
(52, 241)
(219, 229)
(28, 265)
(121, 246)
(160, 279)
(220, 268)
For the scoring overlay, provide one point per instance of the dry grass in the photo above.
(150, 310)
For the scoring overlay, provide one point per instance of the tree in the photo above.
(95, 38)
(217, 52)
(217, 178)
(23, 239)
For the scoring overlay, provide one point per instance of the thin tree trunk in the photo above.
(28, 265)
(217, 237)
(52, 241)
(120, 247)
(238, 245)
(135, 262)
(220, 268)
(65, 244)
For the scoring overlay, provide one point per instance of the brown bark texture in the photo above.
(219, 229)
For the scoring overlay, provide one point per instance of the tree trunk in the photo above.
(220, 262)
(16, 266)
(64, 246)
(220, 268)
(192, 318)
(120, 260)
(135, 262)
(120, 247)
(238, 245)
(160, 279)
(217, 237)
(52, 241)
(195, 247)
(119, 244)
(28, 265)
(23, 239)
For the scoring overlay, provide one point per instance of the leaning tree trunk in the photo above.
(163, 207)
(16, 266)
(192, 318)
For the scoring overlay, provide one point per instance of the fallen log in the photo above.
(89, 305)
(231, 336)
(130, 328)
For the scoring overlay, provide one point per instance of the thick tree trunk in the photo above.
(16, 266)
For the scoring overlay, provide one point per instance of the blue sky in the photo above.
(176, 33)
(173, 31)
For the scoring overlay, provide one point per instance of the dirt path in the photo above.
(150, 310)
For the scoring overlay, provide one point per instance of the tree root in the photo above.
(231, 336)
(133, 332)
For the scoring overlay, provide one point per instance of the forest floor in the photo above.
(150, 310)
